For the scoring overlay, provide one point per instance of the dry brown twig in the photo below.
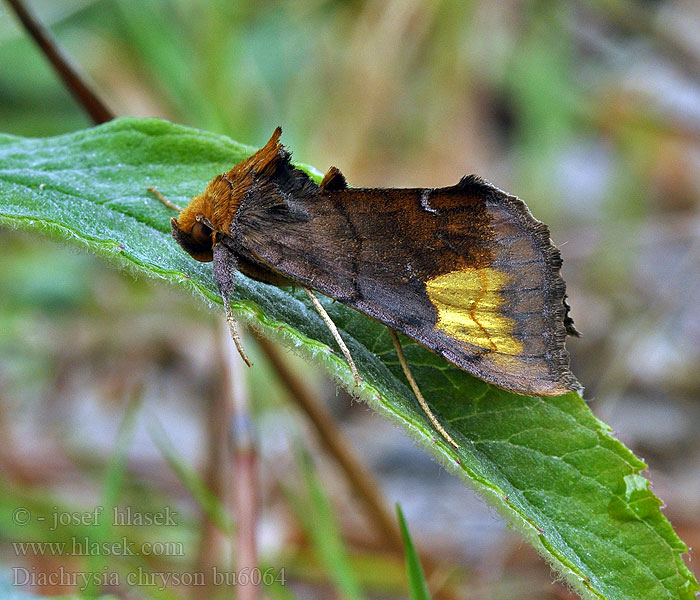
(73, 80)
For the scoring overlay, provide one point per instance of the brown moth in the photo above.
(464, 270)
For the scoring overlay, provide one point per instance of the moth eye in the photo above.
(201, 233)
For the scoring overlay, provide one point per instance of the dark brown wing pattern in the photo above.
(465, 270)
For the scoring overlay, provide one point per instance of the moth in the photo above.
(464, 270)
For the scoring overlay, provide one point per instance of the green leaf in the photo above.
(417, 586)
(548, 465)
(112, 486)
(316, 515)
(204, 497)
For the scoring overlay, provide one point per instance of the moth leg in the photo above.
(233, 328)
(336, 334)
(163, 199)
(224, 268)
(416, 389)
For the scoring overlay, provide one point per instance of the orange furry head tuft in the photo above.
(220, 201)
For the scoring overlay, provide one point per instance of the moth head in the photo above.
(211, 213)
(191, 229)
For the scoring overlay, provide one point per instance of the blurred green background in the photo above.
(589, 111)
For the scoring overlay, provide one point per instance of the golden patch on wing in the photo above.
(468, 304)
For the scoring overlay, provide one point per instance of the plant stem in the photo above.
(245, 490)
(337, 445)
(74, 81)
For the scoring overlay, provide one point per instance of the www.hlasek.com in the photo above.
(85, 547)
(81, 580)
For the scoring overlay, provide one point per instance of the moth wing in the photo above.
(465, 271)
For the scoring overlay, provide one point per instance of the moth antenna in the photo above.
(227, 179)
(336, 334)
(416, 389)
(208, 223)
(163, 199)
(233, 328)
